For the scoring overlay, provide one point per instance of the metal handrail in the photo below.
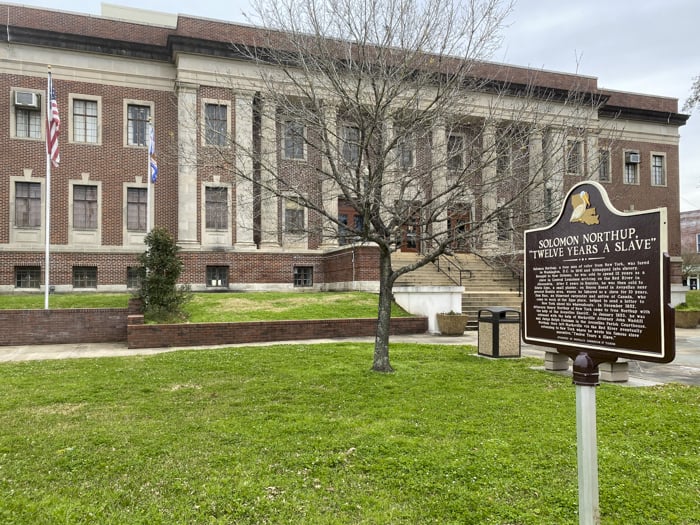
(451, 264)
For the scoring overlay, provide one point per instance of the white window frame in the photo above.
(608, 163)
(131, 237)
(624, 169)
(286, 121)
(21, 234)
(42, 113)
(85, 237)
(212, 237)
(125, 129)
(294, 239)
(652, 155)
(461, 154)
(574, 146)
(72, 98)
(203, 122)
(348, 146)
(406, 143)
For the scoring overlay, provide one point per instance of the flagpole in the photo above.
(48, 194)
(148, 176)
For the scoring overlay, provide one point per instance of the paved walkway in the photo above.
(684, 369)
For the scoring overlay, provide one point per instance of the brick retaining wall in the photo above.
(62, 326)
(205, 334)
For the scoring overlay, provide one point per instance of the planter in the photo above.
(451, 324)
(687, 318)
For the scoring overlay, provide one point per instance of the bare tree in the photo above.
(397, 116)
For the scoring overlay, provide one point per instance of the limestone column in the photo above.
(439, 153)
(489, 178)
(592, 159)
(187, 208)
(538, 197)
(329, 187)
(244, 171)
(269, 202)
(555, 166)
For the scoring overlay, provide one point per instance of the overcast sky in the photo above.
(642, 46)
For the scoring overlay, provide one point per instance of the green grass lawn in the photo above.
(230, 307)
(307, 434)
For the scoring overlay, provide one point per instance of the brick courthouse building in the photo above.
(112, 73)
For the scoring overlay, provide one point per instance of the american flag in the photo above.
(53, 127)
(151, 155)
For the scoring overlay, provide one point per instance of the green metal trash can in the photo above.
(499, 331)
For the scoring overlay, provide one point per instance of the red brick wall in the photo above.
(690, 228)
(204, 334)
(41, 327)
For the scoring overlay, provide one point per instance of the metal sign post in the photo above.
(597, 287)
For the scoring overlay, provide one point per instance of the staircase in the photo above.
(484, 285)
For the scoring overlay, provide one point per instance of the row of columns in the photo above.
(546, 169)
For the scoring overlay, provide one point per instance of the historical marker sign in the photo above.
(597, 281)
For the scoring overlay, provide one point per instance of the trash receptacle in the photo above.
(499, 332)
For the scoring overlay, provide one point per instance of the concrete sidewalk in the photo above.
(684, 369)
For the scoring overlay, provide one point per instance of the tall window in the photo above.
(405, 152)
(136, 209)
(85, 121)
(84, 277)
(27, 204)
(351, 144)
(27, 276)
(548, 204)
(504, 225)
(293, 139)
(84, 207)
(137, 124)
(631, 173)
(604, 165)
(574, 157)
(216, 208)
(28, 123)
(658, 171)
(293, 217)
(215, 124)
(455, 152)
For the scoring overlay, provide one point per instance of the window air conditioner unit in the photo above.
(632, 158)
(26, 99)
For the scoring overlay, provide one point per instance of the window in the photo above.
(574, 157)
(27, 204)
(348, 216)
(293, 217)
(85, 121)
(27, 114)
(293, 139)
(455, 152)
(133, 277)
(405, 153)
(697, 242)
(84, 207)
(136, 208)
(604, 165)
(216, 207)
(84, 277)
(503, 226)
(548, 205)
(631, 170)
(658, 170)
(137, 124)
(217, 276)
(351, 144)
(303, 276)
(215, 124)
(27, 123)
(27, 276)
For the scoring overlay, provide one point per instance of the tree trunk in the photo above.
(381, 341)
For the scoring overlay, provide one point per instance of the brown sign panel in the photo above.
(597, 281)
